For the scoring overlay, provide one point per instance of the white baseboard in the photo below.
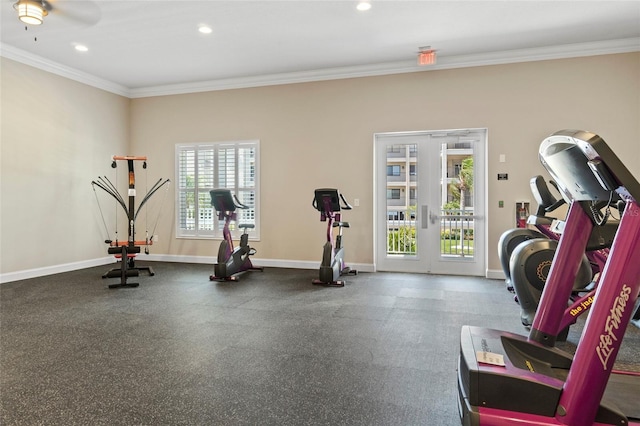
(495, 274)
(67, 267)
(269, 263)
(56, 269)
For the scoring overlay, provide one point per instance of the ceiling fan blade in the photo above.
(83, 12)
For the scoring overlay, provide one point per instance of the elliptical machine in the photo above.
(231, 261)
(328, 202)
(512, 238)
(530, 260)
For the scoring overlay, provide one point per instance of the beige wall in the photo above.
(311, 135)
(57, 136)
(321, 134)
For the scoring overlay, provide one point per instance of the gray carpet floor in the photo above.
(271, 349)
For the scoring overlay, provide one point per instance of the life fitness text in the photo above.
(605, 347)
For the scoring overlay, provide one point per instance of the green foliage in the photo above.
(402, 240)
(452, 205)
(454, 234)
(464, 183)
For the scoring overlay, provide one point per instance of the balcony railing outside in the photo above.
(456, 233)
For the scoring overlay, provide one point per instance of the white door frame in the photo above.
(442, 264)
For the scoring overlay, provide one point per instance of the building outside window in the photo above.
(393, 170)
(393, 194)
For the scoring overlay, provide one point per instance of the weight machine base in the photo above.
(127, 267)
(117, 272)
(130, 285)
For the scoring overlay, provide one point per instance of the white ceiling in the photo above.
(142, 48)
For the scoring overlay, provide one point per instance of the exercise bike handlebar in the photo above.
(223, 201)
(238, 204)
(546, 201)
(329, 200)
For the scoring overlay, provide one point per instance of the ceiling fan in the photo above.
(32, 12)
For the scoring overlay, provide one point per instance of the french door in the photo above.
(429, 202)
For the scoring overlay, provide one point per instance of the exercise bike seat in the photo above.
(246, 226)
(341, 224)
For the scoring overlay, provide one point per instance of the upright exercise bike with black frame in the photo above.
(329, 202)
(231, 260)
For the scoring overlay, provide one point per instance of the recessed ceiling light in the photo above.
(363, 5)
(204, 29)
(81, 48)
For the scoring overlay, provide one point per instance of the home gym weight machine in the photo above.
(127, 250)
(231, 260)
(328, 202)
(507, 379)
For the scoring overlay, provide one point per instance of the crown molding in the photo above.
(450, 62)
(444, 62)
(44, 64)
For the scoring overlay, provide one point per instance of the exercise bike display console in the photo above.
(231, 260)
(507, 379)
(329, 202)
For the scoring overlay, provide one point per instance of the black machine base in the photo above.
(127, 268)
(498, 371)
(235, 276)
(336, 283)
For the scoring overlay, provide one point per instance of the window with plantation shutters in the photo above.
(202, 167)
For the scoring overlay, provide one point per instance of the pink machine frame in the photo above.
(534, 383)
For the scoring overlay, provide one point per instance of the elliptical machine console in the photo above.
(329, 202)
(231, 261)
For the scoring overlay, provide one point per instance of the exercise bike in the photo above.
(329, 202)
(507, 379)
(231, 261)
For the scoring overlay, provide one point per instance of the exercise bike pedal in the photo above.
(252, 251)
(348, 271)
(222, 279)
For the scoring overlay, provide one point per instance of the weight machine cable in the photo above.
(104, 222)
(153, 232)
(107, 186)
(153, 190)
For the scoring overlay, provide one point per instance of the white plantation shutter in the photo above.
(206, 166)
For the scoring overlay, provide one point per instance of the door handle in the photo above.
(433, 217)
(424, 217)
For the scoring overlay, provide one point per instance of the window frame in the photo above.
(392, 192)
(180, 188)
(393, 170)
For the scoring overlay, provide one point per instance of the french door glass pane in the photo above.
(401, 199)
